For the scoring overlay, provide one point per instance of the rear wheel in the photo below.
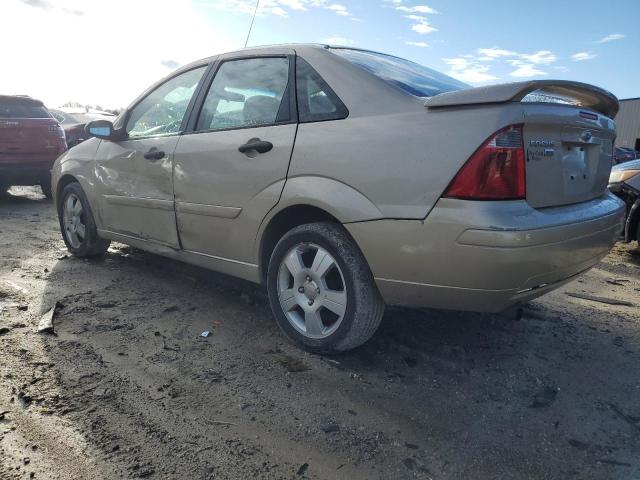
(77, 224)
(321, 289)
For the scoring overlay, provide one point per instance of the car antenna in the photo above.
(251, 26)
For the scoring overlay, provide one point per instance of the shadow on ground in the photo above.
(434, 393)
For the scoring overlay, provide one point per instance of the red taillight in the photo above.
(58, 131)
(496, 171)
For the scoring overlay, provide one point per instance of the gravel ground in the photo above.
(126, 388)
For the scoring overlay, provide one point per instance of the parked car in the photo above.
(622, 154)
(624, 182)
(30, 141)
(74, 120)
(345, 179)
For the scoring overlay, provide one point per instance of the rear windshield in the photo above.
(411, 77)
(13, 109)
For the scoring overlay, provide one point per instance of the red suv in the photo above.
(30, 141)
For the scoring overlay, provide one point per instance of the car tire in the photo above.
(77, 223)
(321, 290)
(45, 186)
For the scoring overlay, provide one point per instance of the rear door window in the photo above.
(316, 100)
(246, 93)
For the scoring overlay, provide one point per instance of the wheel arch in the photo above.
(279, 224)
(632, 227)
(64, 180)
(309, 199)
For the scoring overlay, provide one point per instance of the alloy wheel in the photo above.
(312, 291)
(73, 220)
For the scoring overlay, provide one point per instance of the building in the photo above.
(628, 124)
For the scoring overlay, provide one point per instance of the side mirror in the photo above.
(100, 129)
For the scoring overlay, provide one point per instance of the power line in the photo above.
(253, 19)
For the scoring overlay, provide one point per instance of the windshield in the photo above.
(411, 77)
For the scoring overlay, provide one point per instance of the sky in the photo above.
(107, 52)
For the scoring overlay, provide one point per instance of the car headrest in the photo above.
(261, 109)
(321, 104)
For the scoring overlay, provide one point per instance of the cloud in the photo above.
(539, 58)
(581, 56)
(293, 4)
(476, 67)
(423, 28)
(418, 44)
(527, 70)
(47, 5)
(171, 64)
(467, 69)
(279, 11)
(494, 52)
(337, 40)
(43, 4)
(416, 13)
(280, 8)
(611, 37)
(339, 9)
(416, 9)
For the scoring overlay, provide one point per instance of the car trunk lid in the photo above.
(569, 154)
(567, 135)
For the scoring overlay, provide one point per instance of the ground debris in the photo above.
(544, 397)
(633, 421)
(617, 281)
(292, 364)
(46, 321)
(614, 462)
(595, 298)
(303, 469)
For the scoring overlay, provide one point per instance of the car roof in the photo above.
(277, 48)
(20, 100)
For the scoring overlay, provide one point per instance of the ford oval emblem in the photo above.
(586, 136)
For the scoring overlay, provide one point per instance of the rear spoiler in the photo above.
(545, 91)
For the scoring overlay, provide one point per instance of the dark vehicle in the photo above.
(622, 154)
(74, 121)
(30, 141)
(624, 182)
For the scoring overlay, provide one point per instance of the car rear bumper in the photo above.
(486, 256)
(26, 172)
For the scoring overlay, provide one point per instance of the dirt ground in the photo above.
(126, 388)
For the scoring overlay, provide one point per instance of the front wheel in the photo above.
(321, 290)
(77, 224)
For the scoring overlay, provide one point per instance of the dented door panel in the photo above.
(137, 193)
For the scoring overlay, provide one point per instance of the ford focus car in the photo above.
(346, 179)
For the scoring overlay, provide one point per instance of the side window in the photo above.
(247, 93)
(162, 111)
(316, 101)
